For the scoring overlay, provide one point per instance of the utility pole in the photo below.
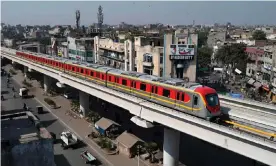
(100, 19)
(138, 152)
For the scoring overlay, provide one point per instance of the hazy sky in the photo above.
(62, 12)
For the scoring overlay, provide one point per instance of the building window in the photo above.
(161, 72)
(161, 58)
(147, 70)
(147, 57)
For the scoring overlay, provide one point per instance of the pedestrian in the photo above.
(13, 95)
(2, 97)
(24, 106)
(13, 89)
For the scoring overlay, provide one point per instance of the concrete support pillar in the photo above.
(25, 71)
(126, 54)
(47, 83)
(131, 60)
(171, 147)
(84, 102)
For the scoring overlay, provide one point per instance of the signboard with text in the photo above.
(182, 52)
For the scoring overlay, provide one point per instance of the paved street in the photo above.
(62, 157)
(191, 149)
(79, 126)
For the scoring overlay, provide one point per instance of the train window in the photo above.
(166, 92)
(109, 78)
(81, 70)
(102, 76)
(153, 89)
(91, 73)
(195, 100)
(178, 96)
(133, 84)
(143, 86)
(98, 75)
(124, 82)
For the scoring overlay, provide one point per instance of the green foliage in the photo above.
(259, 35)
(129, 36)
(233, 54)
(93, 116)
(202, 38)
(204, 56)
(75, 105)
(50, 101)
(150, 147)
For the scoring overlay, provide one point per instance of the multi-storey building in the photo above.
(255, 62)
(80, 49)
(146, 55)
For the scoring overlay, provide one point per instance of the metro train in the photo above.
(187, 97)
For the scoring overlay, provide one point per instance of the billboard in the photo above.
(182, 52)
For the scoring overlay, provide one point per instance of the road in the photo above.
(193, 151)
(62, 157)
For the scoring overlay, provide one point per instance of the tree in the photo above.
(93, 116)
(129, 36)
(204, 56)
(233, 54)
(259, 35)
(150, 148)
(202, 38)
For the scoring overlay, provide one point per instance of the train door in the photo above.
(196, 104)
(179, 101)
(154, 92)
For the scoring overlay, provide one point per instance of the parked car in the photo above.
(71, 95)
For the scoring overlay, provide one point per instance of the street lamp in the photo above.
(138, 150)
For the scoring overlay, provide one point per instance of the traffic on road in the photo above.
(63, 157)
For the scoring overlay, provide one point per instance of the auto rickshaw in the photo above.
(39, 109)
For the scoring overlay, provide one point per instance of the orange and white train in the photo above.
(190, 98)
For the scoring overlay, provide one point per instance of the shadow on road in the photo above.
(80, 145)
(48, 123)
(3, 92)
(61, 160)
(11, 111)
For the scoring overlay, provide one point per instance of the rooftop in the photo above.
(21, 127)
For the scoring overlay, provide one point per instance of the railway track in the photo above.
(253, 129)
(249, 104)
(261, 123)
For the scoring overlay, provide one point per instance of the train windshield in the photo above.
(212, 99)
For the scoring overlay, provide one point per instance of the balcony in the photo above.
(264, 70)
(148, 64)
(116, 58)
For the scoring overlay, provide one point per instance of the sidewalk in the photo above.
(81, 127)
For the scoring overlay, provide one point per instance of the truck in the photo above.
(23, 92)
(68, 139)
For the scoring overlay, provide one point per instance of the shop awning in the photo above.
(251, 81)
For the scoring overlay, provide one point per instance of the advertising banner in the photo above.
(182, 52)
